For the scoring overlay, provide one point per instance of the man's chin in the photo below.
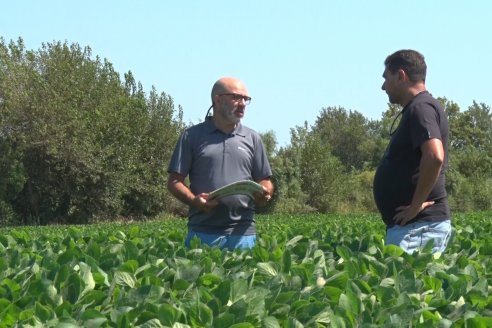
(235, 120)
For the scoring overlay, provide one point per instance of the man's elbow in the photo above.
(440, 160)
(436, 161)
(172, 179)
(433, 152)
(170, 185)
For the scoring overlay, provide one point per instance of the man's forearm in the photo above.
(429, 173)
(179, 189)
(183, 193)
(430, 168)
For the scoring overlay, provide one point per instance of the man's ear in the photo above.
(216, 99)
(402, 75)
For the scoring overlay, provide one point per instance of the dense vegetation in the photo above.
(77, 143)
(80, 144)
(306, 271)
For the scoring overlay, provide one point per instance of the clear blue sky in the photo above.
(296, 57)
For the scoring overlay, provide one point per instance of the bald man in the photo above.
(215, 153)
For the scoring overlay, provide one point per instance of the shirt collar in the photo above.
(415, 97)
(239, 130)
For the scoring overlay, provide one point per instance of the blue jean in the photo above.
(230, 242)
(414, 236)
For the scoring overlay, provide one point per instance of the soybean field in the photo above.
(306, 271)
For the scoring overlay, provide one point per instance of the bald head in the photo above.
(228, 85)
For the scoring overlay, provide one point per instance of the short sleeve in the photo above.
(424, 124)
(182, 156)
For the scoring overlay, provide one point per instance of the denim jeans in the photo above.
(230, 242)
(414, 236)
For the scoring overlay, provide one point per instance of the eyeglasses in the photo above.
(238, 97)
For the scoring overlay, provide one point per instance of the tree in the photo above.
(323, 176)
(270, 142)
(289, 196)
(472, 128)
(90, 146)
(350, 136)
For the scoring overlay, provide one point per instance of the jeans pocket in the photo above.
(440, 233)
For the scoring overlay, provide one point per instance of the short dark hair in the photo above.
(411, 61)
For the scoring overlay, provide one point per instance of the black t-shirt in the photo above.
(398, 172)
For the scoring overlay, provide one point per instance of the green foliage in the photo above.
(472, 128)
(270, 142)
(359, 195)
(470, 193)
(350, 136)
(12, 180)
(82, 144)
(322, 175)
(329, 167)
(469, 177)
(306, 271)
(326, 167)
(289, 196)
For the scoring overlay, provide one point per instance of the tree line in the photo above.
(80, 144)
(329, 167)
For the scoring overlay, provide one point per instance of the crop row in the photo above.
(306, 271)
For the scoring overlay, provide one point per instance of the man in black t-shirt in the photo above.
(409, 182)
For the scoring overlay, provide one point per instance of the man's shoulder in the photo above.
(428, 109)
(243, 129)
(426, 98)
(199, 128)
(423, 102)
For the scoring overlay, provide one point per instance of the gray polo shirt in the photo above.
(213, 159)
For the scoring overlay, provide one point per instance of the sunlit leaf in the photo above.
(124, 279)
(267, 269)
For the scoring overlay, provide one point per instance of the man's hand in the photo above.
(262, 198)
(201, 202)
(177, 187)
(407, 213)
